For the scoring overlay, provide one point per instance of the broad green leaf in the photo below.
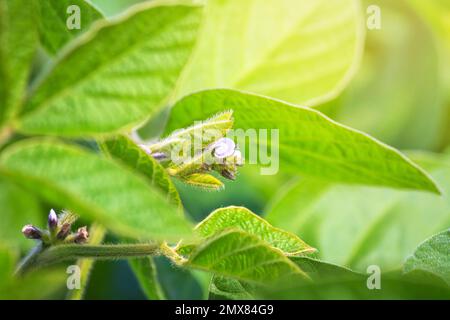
(96, 236)
(124, 149)
(318, 271)
(243, 219)
(145, 272)
(56, 14)
(361, 226)
(432, 255)
(94, 187)
(300, 51)
(321, 271)
(18, 208)
(18, 44)
(242, 256)
(116, 75)
(112, 7)
(309, 142)
(330, 282)
(231, 289)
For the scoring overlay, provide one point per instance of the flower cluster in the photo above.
(59, 230)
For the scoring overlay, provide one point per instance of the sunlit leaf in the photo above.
(296, 50)
(309, 143)
(94, 187)
(242, 256)
(54, 31)
(108, 80)
(18, 44)
(124, 149)
(433, 255)
(243, 219)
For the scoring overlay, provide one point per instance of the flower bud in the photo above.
(82, 235)
(31, 232)
(223, 148)
(159, 156)
(52, 220)
(228, 174)
(64, 231)
(238, 158)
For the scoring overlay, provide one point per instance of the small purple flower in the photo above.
(52, 220)
(31, 232)
(223, 148)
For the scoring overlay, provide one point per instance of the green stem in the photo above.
(43, 257)
(96, 236)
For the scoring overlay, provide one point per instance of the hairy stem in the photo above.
(40, 257)
(96, 236)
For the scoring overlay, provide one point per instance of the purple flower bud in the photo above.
(31, 232)
(159, 156)
(82, 235)
(223, 148)
(228, 174)
(64, 231)
(52, 220)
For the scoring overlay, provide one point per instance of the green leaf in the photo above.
(54, 31)
(241, 218)
(432, 256)
(242, 256)
(145, 272)
(124, 149)
(18, 209)
(113, 7)
(109, 81)
(300, 51)
(204, 181)
(231, 289)
(321, 271)
(18, 44)
(94, 187)
(309, 142)
(360, 226)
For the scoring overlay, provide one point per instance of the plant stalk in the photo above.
(41, 257)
